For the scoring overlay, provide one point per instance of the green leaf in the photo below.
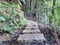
(2, 18)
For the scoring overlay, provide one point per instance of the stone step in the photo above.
(30, 37)
(32, 26)
(27, 31)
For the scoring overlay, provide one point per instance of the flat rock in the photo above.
(31, 31)
(31, 37)
(31, 24)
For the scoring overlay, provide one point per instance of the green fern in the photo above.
(11, 17)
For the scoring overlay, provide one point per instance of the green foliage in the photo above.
(2, 18)
(57, 16)
(11, 17)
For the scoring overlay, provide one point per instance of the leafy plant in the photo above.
(11, 17)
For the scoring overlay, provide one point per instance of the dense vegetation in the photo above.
(11, 17)
(46, 12)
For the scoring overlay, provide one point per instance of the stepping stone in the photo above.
(31, 23)
(31, 37)
(31, 27)
(31, 31)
